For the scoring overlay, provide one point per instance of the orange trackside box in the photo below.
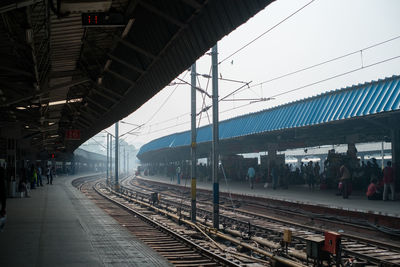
(332, 242)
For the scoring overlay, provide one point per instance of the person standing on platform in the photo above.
(52, 173)
(310, 175)
(274, 175)
(388, 181)
(345, 177)
(48, 174)
(33, 176)
(317, 170)
(251, 173)
(39, 176)
(3, 191)
(178, 174)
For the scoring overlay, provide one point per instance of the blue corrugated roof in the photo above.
(359, 100)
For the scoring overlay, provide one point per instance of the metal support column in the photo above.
(215, 135)
(193, 143)
(395, 134)
(124, 161)
(108, 154)
(383, 155)
(111, 165)
(116, 156)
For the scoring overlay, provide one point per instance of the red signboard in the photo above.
(72, 135)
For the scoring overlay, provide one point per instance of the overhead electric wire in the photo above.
(273, 79)
(336, 76)
(322, 63)
(267, 31)
(288, 91)
(165, 101)
(320, 81)
(98, 143)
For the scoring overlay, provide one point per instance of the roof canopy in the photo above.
(357, 102)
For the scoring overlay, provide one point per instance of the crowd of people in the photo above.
(381, 184)
(342, 174)
(27, 178)
(33, 177)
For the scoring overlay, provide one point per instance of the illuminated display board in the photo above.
(94, 19)
(102, 19)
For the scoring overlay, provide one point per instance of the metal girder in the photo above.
(85, 112)
(119, 76)
(136, 48)
(162, 14)
(110, 91)
(69, 84)
(192, 3)
(104, 95)
(15, 101)
(127, 64)
(96, 104)
(16, 71)
(62, 74)
(81, 124)
(17, 4)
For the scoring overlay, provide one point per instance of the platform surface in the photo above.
(59, 226)
(357, 201)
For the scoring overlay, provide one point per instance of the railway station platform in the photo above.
(59, 226)
(300, 194)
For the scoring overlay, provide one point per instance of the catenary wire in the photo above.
(291, 90)
(267, 31)
(320, 64)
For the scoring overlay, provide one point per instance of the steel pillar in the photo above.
(215, 135)
(110, 161)
(193, 143)
(395, 134)
(108, 154)
(116, 156)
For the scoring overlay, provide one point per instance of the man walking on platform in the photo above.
(39, 176)
(178, 174)
(388, 181)
(48, 174)
(345, 177)
(251, 173)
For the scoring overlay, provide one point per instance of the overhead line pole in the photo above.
(108, 154)
(116, 156)
(111, 165)
(124, 161)
(193, 143)
(215, 135)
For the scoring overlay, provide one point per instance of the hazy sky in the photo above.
(323, 30)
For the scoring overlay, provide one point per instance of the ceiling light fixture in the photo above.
(60, 102)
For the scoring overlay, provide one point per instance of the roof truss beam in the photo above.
(97, 105)
(135, 48)
(96, 91)
(127, 64)
(119, 76)
(162, 14)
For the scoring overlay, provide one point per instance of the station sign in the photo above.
(72, 134)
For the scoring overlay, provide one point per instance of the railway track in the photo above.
(268, 231)
(157, 231)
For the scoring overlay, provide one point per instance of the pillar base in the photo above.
(116, 187)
